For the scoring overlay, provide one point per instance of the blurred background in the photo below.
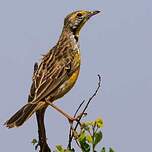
(117, 45)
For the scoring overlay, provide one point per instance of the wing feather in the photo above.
(47, 78)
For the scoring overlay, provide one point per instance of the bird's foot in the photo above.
(43, 147)
(77, 118)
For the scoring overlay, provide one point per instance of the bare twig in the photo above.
(71, 127)
(83, 112)
(79, 108)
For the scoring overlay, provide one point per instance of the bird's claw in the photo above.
(77, 118)
(43, 147)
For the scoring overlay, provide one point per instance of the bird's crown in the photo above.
(75, 20)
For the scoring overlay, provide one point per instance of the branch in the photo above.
(71, 135)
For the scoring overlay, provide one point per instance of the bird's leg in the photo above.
(42, 143)
(70, 118)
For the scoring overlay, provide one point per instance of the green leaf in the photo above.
(84, 145)
(83, 142)
(103, 149)
(34, 141)
(85, 126)
(59, 148)
(82, 136)
(99, 122)
(89, 138)
(90, 123)
(111, 150)
(97, 138)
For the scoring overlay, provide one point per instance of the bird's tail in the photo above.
(23, 114)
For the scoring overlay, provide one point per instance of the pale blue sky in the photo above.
(117, 45)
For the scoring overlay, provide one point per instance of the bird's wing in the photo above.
(52, 73)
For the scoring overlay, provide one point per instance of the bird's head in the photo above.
(75, 20)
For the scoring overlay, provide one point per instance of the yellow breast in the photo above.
(69, 83)
(73, 78)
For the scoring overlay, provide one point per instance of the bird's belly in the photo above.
(67, 85)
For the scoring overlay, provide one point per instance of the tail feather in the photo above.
(23, 114)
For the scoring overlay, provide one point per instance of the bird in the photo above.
(56, 73)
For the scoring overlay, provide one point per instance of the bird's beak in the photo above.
(95, 12)
(92, 13)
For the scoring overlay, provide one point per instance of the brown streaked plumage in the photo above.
(57, 72)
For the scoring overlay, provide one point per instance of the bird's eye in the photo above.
(79, 15)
